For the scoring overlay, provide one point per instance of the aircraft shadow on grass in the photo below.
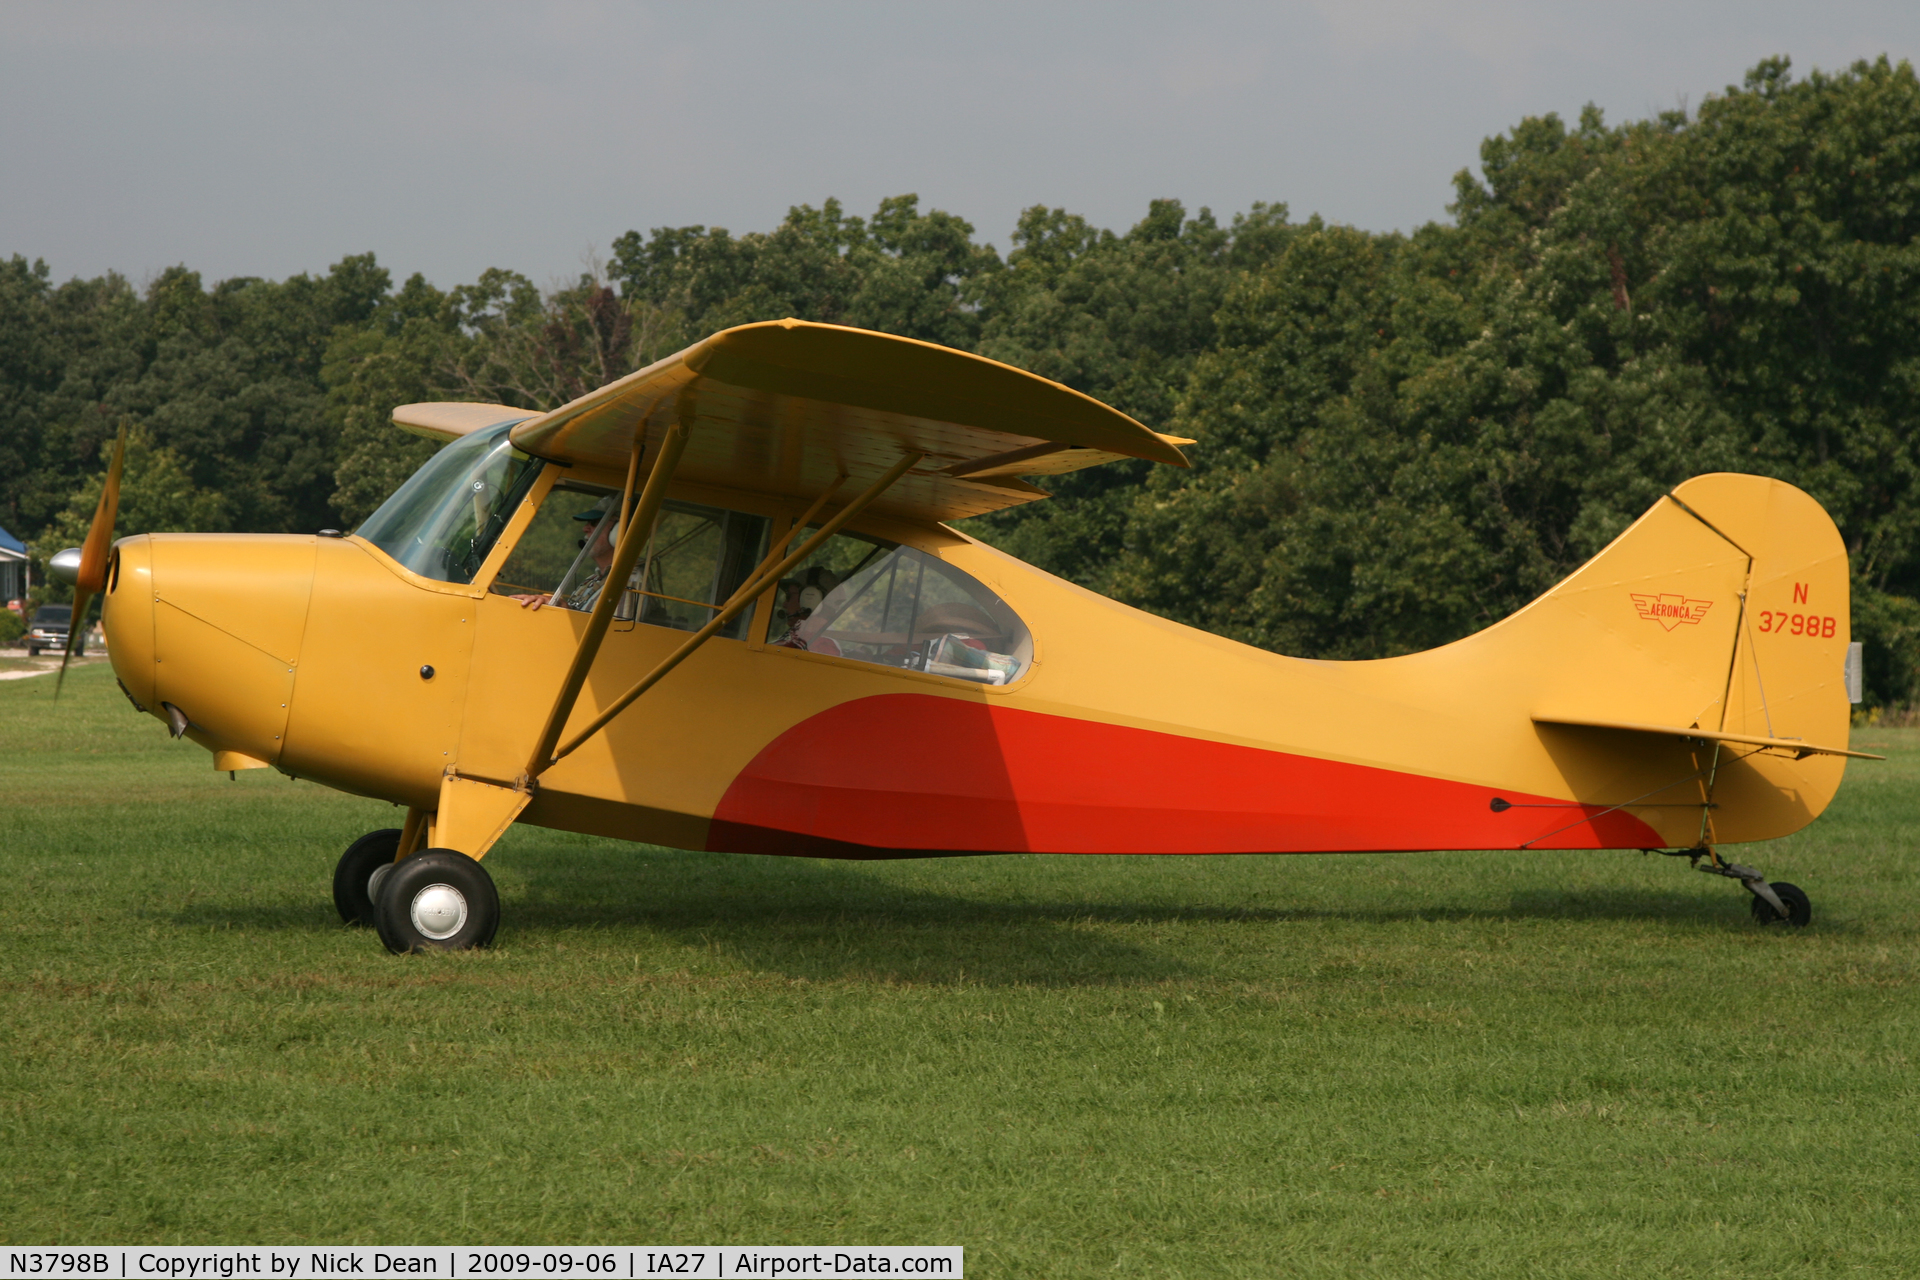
(832, 921)
(827, 921)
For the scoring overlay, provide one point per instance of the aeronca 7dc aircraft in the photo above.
(718, 604)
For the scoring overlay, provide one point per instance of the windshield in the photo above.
(53, 613)
(443, 521)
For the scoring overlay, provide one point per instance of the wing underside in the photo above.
(793, 408)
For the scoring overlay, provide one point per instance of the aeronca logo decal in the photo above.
(1670, 610)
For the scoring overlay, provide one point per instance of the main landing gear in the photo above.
(357, 877)
(434, 900)
(1775, 903)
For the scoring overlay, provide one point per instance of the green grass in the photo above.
(1448, 1065)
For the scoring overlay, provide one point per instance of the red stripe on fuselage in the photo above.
(909, 774)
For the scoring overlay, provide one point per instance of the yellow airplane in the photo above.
(719, 604)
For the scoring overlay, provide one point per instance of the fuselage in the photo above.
(1121, 732)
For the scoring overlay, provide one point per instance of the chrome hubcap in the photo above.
(439, 911)
(374, 881)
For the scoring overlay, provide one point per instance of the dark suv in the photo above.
(49, 629)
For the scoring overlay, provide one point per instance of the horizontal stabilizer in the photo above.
(1794, 745)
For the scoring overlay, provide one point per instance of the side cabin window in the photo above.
(697, 557)
(554, 550)
(875, 601)
(444, 520)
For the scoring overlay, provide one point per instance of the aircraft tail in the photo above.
(1714, 630)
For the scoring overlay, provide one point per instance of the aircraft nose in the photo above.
(126, 615)
(225, 615)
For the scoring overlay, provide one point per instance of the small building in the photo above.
(13, 568)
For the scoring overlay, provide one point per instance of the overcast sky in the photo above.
(257, 139)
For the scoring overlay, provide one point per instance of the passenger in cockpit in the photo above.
(798, 597)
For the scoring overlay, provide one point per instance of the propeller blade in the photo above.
(94, 554)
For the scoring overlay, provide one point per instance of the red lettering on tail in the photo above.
(1670, 610)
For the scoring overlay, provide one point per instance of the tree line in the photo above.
(1402, 437)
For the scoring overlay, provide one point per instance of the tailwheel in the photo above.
(1774, 903)
(1799, 909)
(439, 900)
(357, 876)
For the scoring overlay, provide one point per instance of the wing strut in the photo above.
(633, 536)
(545, 757)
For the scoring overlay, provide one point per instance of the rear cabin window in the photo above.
(875, 601)
(696, 559)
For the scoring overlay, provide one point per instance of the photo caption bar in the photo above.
(479, 1262)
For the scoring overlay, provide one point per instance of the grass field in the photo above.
(1446, 1065)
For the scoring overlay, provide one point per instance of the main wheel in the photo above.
(439, 900)
(354, 875)
(1799, 910)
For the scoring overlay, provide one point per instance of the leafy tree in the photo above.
(157, 495)
(401, 359)
(906, 272)
(62, 348)
(228, 379)
(1122, 318)
(497, 341)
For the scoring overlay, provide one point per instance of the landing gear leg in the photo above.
(1776, 903)
(1780, 903)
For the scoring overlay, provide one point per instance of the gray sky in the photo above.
(252, 139)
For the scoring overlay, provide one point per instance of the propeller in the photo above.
(90, 575)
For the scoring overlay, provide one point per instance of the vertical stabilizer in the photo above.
(1725, 608)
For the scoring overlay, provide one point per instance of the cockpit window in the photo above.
(442, 523)
(874, 601)
(555, 556)
(696, 559)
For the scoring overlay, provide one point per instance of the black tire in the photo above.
(439, 900)
(33, 651)
(354, 871)
(1799, 910)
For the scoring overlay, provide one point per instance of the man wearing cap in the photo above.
(599, 544)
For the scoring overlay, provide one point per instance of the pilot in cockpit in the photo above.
(598, 544)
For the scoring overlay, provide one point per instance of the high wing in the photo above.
(791, 408)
